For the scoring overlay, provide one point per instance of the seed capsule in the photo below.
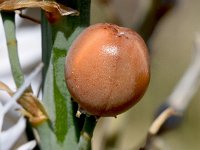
(107, 69)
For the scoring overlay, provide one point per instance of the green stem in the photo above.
(87, 133)
(9, 27)
(10, 33)
(46, 44)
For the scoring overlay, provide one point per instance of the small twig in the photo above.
(156, 125)
(184, 90)
(180, 97)
(160, 120)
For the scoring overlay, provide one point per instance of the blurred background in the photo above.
(169, 27)
(171, 48)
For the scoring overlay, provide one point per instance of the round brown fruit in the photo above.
(107, 69)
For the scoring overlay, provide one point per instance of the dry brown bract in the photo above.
(32, 107)
(48, 6)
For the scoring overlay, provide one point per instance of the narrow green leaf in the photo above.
(62, 131)
(46, 44)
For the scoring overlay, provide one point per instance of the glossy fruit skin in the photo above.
(107, 69)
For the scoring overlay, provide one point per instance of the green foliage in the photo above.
(62, 130)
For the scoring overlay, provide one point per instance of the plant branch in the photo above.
(9, 27)
(160, 120)
(178, 101)
(156, 125)
(184, 91)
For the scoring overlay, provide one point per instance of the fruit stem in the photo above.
(86, 133)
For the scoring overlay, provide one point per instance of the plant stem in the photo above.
(46, 44)
(17, 73)
(9, 27)
(87, 133)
